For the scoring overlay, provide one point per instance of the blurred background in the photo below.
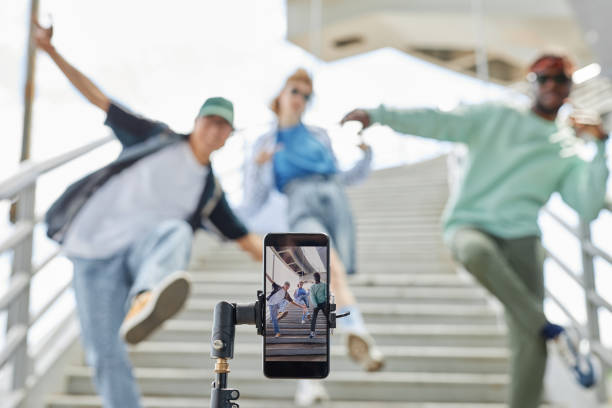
(164, 59)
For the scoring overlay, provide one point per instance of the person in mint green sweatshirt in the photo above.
(318, 295)
(516, 160)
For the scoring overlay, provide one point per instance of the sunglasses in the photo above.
(306, 96)
(559, 79)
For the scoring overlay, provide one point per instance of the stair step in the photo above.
(290, 337)
(359, 386)
(378, 279)
(412, 252)
(197, 309)
(443, 341)
(91, 401)
(398, 358)
(371, 263)
(379, 294)
(406, 335)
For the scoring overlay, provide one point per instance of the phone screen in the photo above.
(296, 288)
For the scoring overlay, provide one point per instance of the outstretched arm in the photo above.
(252, 244)
(459, 125)
(300, 306)
(42, 38)
(584, 185)
(359, 171)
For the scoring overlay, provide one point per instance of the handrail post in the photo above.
(18, 311)
(28, 95)
(22, 210)
(588, 276)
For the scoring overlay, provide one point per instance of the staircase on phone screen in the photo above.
(295, 342)
(442, 337)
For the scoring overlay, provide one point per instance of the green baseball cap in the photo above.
(220, 107)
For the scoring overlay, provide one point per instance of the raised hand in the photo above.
(263, 157)
(589, 126)
(364, 146)
(42, 36)
(359, 115)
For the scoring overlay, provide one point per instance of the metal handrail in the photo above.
(587, 282)
(22, 186)
(18, 284)
(594, 250)
(29, 171)
(22, 230)
(14, 338)
(34, 318)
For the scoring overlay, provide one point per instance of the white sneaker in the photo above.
(310, 392)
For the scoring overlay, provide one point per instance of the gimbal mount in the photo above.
(226, 317)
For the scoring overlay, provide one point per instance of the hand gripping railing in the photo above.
(16, 298)
(586, 280)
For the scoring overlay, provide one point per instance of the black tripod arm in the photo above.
(253, 313)
(223, 331)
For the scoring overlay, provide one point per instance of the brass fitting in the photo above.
(222, 366)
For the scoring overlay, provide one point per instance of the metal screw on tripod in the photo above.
(235, 394)
(218, 344)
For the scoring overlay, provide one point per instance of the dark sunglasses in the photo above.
(306, 96)
(560, 79)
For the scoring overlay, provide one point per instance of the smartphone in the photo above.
(296, 293)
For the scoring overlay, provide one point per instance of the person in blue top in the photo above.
(297, 160)
(301, 296)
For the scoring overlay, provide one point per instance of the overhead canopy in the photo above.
(450, 33)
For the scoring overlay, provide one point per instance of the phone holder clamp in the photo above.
(226, 317)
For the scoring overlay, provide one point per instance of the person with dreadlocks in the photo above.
(516, 159)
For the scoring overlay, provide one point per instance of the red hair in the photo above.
(301, 75)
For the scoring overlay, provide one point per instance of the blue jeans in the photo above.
(104, 289)
(282, 306)
(273, 313)
(303, 300)
(319, 204)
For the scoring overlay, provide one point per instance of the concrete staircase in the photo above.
(295, 340)
(444, 345)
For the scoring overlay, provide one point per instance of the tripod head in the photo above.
(226, 317)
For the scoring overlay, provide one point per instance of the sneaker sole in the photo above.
(168, 299)
(320, 396)
(315, 395)
(360, 351)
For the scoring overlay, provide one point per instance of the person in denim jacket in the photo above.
(297, 160)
